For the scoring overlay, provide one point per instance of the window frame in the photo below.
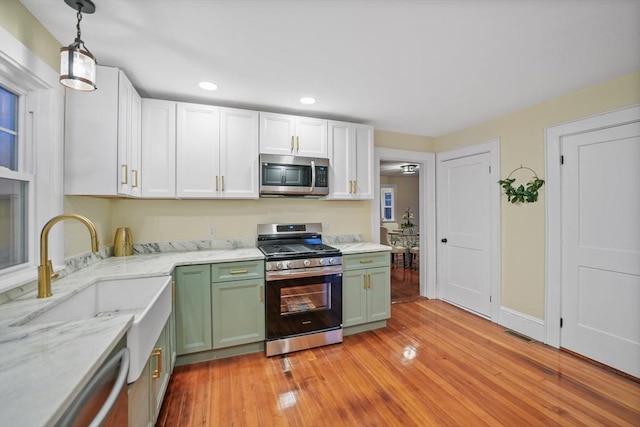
(384, 189)
(41, 126)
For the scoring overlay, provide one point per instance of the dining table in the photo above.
(406, 238)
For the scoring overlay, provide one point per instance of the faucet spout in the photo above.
(45, 270)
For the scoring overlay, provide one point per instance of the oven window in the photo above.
(297, 299)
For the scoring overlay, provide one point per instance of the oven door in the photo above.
(300, 303)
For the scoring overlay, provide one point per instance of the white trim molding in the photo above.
(427, 219)
(553, 220)
(522, 323)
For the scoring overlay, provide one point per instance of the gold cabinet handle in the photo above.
(157, 353)
(222, 178)
(292, 146)
(135, 177)
(297, 143)
(261, 293)
(243, 271)
(366, 261)
(369, 280)
(125, 174)
(355, 186)
(216, 182)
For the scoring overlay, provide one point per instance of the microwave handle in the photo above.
(313, 175)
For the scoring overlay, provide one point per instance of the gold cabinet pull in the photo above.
(297, 143)
(243, 271)
(261, 293)
(216, 182)
(222, 178)
(292, 146)
(355, 186)
(124, 169)
(157, 353)
(366, 261)
(369, 276)
(135, 177)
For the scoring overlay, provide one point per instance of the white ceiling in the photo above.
(419, 67)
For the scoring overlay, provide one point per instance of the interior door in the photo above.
(601, 246)
(464, 231)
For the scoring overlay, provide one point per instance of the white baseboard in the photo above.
(522, 323)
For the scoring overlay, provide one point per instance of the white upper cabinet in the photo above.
(293, 135)
(103, 138)
(217, 152)
(239, 158)
(351, 157)
(158, 148)
(198, 148)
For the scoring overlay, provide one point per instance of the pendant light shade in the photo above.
(77, 65)
(409, 169)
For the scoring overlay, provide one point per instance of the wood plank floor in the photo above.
(405, 283)
(434, 364)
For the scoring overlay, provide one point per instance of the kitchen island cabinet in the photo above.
(351, 156)
(103, 138)
(366, 291)
(293, 135)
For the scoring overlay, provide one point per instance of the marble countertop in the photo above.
(44, 367)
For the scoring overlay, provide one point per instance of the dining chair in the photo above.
(414, 254)
(395, 250)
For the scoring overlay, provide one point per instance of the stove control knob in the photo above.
(287, 264)
(332, 260)
(278, 265)
(322, 261)
(306, 263)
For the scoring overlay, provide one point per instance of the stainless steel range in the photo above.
(303, 289)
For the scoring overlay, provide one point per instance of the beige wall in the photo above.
(18, 21)
(99, 211)
(404, 141)
(522, 143)
(407, 195)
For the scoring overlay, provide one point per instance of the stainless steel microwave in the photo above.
(293, 176)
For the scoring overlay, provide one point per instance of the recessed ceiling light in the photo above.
(208, 86)
(308, 100)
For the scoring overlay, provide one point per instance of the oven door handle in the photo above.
(303, 272)
(313, 175)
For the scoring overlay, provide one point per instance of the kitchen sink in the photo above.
(148, 299)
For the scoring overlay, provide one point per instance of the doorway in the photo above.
(425, 273)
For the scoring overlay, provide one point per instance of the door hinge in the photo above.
(561, 322)
(489, 169)
(489, 298)
(562, 160)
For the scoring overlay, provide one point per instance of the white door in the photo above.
(464, 231)
(601, 246)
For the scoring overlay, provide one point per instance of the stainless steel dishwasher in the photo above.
(104, 400)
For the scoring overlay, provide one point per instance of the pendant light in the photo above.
(409, 169)
(77, 64)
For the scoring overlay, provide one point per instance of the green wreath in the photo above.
(521, 193)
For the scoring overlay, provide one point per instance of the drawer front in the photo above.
(366, 260)
(242, 270)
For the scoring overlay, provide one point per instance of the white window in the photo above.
(387, 203)
(31, 124)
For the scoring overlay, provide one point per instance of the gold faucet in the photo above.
(45, 270)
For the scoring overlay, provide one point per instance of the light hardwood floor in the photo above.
(434, 364)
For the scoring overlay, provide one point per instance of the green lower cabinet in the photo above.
(366, 289)
(193, 309)
(238, 312)
(147, 393)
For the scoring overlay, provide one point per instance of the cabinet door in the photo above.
(198, 151)
(354, 298)
(363, 156)
(311, 137)
(158, 148)
(238, 154)
(129, 137)
(277, 134)
(379, 294)
(91, 165)
(139, 402)
(193, 309)
(343, 162)
(238, 312)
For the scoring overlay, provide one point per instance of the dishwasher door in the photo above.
(104, 401)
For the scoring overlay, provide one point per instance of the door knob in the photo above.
(444, 240)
